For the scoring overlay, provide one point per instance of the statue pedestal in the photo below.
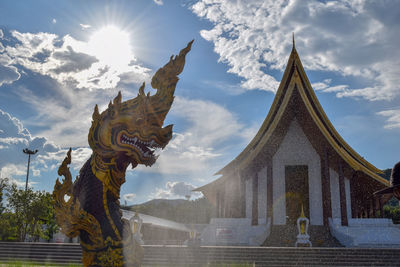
(193, 240)
(302, 225)
(303, 239)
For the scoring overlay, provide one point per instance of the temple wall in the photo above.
(295, 149)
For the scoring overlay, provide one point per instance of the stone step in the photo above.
(201, 256)
(286, 236)
(246, 256)
(241, 259)
(272, 250)
(249, 255)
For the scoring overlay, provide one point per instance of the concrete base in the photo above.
(372, 233)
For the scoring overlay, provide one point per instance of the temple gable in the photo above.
(296, 149)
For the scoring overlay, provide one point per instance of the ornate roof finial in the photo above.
(293, 41)
(302, 211)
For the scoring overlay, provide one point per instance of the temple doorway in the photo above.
(296, 183)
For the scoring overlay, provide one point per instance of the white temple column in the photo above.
(335, 195)
(249, 197)
(348, 197)
(262, 195)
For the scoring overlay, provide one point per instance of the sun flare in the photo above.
(111, 46)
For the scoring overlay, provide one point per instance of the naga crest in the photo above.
(131, 131)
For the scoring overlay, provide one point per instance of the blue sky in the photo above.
(60, 58)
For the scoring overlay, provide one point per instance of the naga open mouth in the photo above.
(146, 148)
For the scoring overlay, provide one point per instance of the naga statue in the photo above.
(125, 133)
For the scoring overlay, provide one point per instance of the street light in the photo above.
(29, 152)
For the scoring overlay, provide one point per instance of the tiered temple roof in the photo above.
(295, 98)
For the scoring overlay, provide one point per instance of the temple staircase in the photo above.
(49, 253)
(285, 236)
(64, 254)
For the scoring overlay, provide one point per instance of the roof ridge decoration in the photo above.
(295, 74)
(294, 46)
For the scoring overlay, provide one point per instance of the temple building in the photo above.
(296, 158)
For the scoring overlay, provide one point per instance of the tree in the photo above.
(7, 218)
(30, 214)
(392, 212)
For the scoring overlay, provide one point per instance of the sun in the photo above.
(111, 46)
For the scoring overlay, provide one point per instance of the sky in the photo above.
(60, 58)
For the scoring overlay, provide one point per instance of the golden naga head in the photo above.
(130, 131)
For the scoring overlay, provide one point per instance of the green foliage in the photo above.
(386, 174)
(28, 214)
(194, 211)
(8, 228)
(392, 213)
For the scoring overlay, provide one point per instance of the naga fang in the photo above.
(125, 133)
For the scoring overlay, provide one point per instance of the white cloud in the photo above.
(231, 89)
(85, 26)
(66, 116)
(349, 37)
(8, 73)
(14, 137)
(11, 170)
(210, 122)
(80, 156)
(198, 149)
(174, 190)
(324, 86)
(69, 61)
(159, 2)
(129, 197)
(35, 172)
(393, 118)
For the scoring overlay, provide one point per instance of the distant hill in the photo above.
(196, 211)
(155, 202)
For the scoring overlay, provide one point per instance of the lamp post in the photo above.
(29, 152)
